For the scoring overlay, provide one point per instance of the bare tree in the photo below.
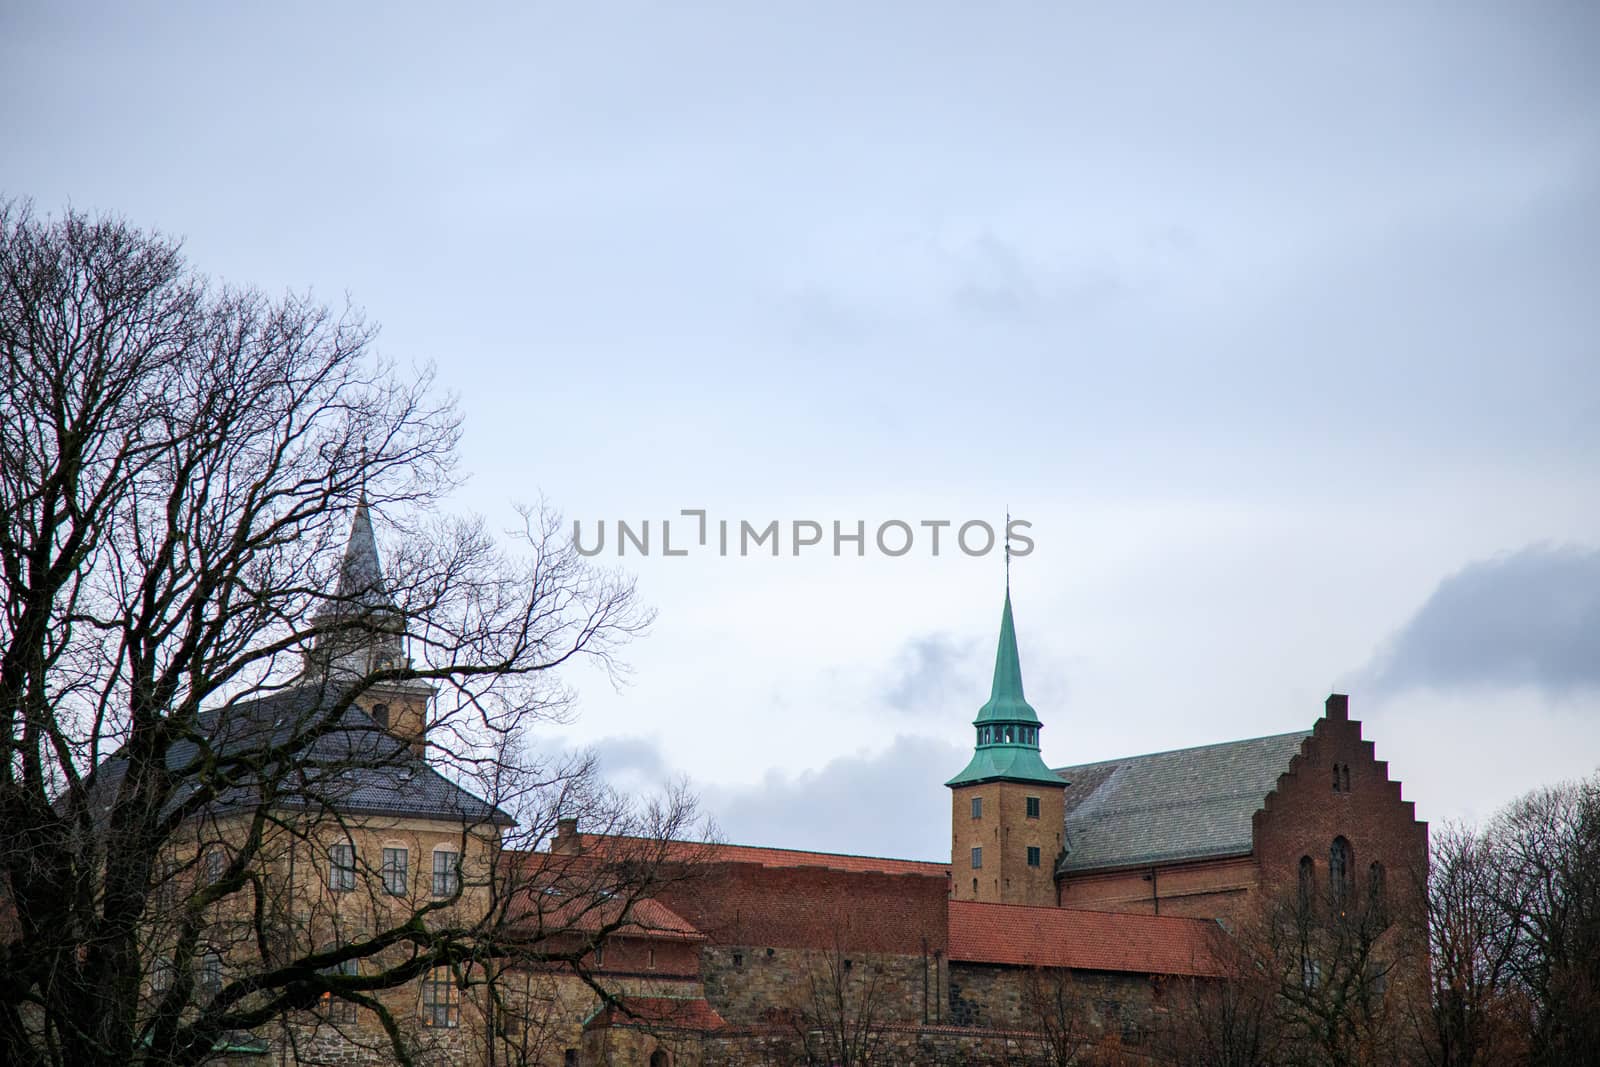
(180, 683)
(842, 1018)
(1055, 1007)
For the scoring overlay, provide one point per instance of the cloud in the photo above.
(890, 803)
(933, 673)
(1530, 618)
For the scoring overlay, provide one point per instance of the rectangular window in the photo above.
(341, 868)
(1033, 807)
(216, 863)
(396, 871)
(446, 873)
(1033, 856)
(977, 807)
(977, 858)
(441, 1001)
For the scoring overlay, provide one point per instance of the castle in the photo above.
(1119, 876)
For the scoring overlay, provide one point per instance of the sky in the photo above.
(1276, 324)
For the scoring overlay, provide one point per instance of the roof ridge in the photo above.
(1056, 909)
(1188, 748)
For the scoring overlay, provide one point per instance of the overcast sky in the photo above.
(1278, 324)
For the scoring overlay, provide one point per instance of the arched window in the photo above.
(1377, 893)
(1308, 876)
(380, 715)
(1339, 864)
(658, 1058)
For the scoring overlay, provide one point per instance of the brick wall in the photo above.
(1005, 833)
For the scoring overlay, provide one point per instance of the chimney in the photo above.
(567, 841)
(1338, 707)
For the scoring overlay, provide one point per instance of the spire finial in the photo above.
(1008, 552)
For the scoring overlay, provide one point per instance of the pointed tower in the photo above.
(367, 634)
(1007, 808)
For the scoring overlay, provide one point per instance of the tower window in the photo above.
(1335, 777)
(380, 715)
(1033, 807)
(1033, 855)
(1008, 735)
(1344, 771)
(977, 858)
(977, 807)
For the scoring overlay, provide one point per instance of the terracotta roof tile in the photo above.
(1085, 940)
(694, 852)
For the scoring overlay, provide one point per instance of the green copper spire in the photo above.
(1008, 728)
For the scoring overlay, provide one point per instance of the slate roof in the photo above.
(357, 768)
(1192, 803)
(1084, 940)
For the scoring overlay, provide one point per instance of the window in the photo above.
(337, 1009)
(341, 867)
(441, 1000)
(1008, 735)
(1033, 855)
(977, 807)
(209, 978)
(162, 974)
(569, 1058)
(1339, 863)
(600, 955)
(658, 1058)
(738, 959)
(1344, 771)
(1335, 777)
(216, 863)
(396, 873)
(380, 715)
(977, 858)
(1033, 807)
(446, 873)
(1307, 882)
(650, 959)
(1376, 892)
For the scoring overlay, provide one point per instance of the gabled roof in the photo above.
(356, 768)
(1192, 803)
(1083, 940)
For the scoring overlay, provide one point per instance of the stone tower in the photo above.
(1007, 809)
(362, 631)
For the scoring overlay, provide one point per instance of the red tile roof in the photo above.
(647, 918)
(670, 1012)
(1085, 940)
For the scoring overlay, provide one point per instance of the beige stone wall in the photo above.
(755, 984)
(1005, 833)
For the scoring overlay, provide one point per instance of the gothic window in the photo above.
(441, 1000)
(396, 871)
(1376, 893)
(1339, 862)
(341, 867)
(1307, 880)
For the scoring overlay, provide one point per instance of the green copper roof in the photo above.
(1008, 729)
(1006, 702)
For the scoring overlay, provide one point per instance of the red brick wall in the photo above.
(808, 907)
(1304, 814)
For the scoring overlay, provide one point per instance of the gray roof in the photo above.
(354, 768)
(1192, 803)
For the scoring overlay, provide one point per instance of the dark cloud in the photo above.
(934, 674)
(1528, 618)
